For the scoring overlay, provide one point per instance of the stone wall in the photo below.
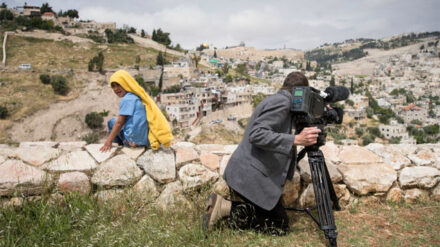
(392, 172)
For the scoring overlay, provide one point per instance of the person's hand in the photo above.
(308, 136)
(106, 148)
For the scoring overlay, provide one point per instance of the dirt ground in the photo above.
(65, 120)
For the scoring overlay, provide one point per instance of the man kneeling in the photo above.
(258, 169)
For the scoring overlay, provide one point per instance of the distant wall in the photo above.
(391, 172)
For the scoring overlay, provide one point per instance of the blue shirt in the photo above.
(135, 128)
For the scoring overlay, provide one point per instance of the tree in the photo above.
(138, 59)
(256, 99)
(215, 53)
(160, 60)
(196, 60)
(142, 33)
(100, 62)
(72, 13)
(94, 120)
(131, 30)
(45, 78)
(351, 85)
(6, 14)
(332, 81)
(3, 6)
(3, 112)
(359, 132)
(242, 69)
(59, 85)
(225, 68)
(161, 37)
(45, 8)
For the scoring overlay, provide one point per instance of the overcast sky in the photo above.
(260, 23)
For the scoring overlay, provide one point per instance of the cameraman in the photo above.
(258, 169)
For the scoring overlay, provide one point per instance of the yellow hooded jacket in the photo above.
(159, 129)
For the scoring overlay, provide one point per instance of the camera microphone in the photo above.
(336, 93)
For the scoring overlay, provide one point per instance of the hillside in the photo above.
(35, 111)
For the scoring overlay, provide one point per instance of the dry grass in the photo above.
(217, 134)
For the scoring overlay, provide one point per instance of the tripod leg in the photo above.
(322, 187)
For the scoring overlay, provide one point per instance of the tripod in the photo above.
(325, 196)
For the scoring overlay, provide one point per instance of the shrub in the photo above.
(91, 138)
(3, 112)
(45, 78)
(94, 120)
(59, 85)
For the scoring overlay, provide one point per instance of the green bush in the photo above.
(91, 138)
(94, 120)
(3, 112)
(59, 85)
(45, 78)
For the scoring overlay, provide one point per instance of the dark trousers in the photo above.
(247, 215)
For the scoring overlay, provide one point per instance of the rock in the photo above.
(72, 146)
(99, 156)
(195, 176)
(172, 197)
(395, 195)
(419, 176)
(36, 155)
(8, 152)
(291, 190)
(423, 157)
(436, 192)
(223, 164)
(2, 159)
(413, 195)
(304, 167)
(390, 155)
(147, 187)
(355, 155)
(120, 170)
(342, 193)
(133, 152)
(160, 165)
(185, 155)
(405, 149)
(229, 149)
(15, 176)
(110, 195)
(221, 187)
(331, 153)
(210, 160)
(213, 148)
(363, 179)
(183, 145)
(38, 144)
(307, 198)
(74, 161)
(74, 182)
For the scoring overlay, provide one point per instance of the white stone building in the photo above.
(395, 129)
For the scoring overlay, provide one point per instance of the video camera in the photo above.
(309, 104)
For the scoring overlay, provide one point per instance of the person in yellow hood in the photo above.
(140, 122)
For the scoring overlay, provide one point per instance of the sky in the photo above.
(263, 24)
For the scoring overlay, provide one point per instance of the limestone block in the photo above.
(74, 182)
(291, 190)
(147, 187)
(355, 155)
(99, 156)
(15, 176)
(395, 195)
(390, 155)
(183, 145)
(2, 159)
(229, 149)
(160, 165)
(221, 187)
(331, 153)
(72, 146)
(413, 195)
(213, 148)
(194, 176)
(172, 197)
(38, 144)
(424, 157)
(307, 198)
(8, 152)
(363, 179)
(306, 175)
(74, 161)
(405, 149)
(210, 160)
(120, 170)
(133, 152)
(223, 164)
(419, 176)
(185, 155)
(342, 193)
(36, 155)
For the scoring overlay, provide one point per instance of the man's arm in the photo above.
(116, 129)
(263, 132)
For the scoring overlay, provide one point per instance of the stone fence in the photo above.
(167, 176)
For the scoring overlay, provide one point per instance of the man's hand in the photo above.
(307, 137)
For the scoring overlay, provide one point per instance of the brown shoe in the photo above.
(216, 209)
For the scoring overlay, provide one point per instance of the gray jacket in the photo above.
(260, 165)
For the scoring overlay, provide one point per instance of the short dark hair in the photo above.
(294, 79)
